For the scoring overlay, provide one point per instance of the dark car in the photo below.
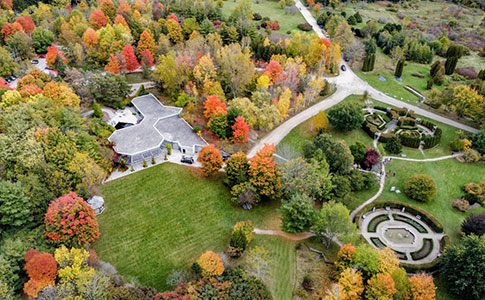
(187, 160)
(346, 59)
(35, 61)
(10, 78)
(343, 68)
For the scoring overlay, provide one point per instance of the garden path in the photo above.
(292, 236)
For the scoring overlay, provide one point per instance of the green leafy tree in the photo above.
(7, 64)
(6, 292)
(367, 259)
(346, 116)
(109, 89)
(297, 213)
(420, 187)
(237, 168)
(393, 145)
(20, 45)
(463, 267)
(358, 151)
(334, 222)
(478, 141)
(337, 154)
(14, 205)
(308, 178)
(42, 39)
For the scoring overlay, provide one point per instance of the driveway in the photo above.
(41, 66)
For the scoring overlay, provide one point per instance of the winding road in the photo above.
(347, 83)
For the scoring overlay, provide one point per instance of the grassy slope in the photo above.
(269, 9)
(164, 218)
(450, 176)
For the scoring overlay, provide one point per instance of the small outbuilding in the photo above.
(97, 203)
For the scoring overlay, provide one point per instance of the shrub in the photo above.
(145, 164)
(475, 192)
(394, 145)
(42, 271)
(474, 224)
(211, 264)
(169, 149)
(471, 156)
(153, 161)
(457, 145)
(420, 187)
(238, 243)
(305, 27)
(247, 228)
(257, 17)
(70, 220)
(346, 116)
(469, 72)
(460, 204)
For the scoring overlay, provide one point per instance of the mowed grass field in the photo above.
(165, 217)
(270, 9)
(450, 175)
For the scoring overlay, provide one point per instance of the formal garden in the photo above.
(415, 236)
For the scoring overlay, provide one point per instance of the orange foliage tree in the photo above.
(380, 287)
(27, 23)
(42, 271)
(211, 264)
(30, 90)
(113, 65)
(123, 6)
(131, 63)
(422, 287)
(121, 20)
(213, 106)
(10, 28)
(70, 221)
(240, 131)
(145, 43)
(273, 70)
(52, 53)
(345, 256)
(211, 160)
(264, 174)
(98, 19)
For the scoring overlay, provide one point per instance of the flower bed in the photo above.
(411, 222)
(424, 251)
(376, 221)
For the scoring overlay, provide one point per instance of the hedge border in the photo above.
(409, 221)
(378, 222)
(429, 219)
(418, 253)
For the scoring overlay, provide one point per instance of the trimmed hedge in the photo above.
(372, 227)
(425, 217)
(406, 121)
(425, 250)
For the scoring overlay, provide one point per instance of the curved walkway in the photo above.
(382, 176)
(290, 236)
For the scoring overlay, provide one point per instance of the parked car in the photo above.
(343, 68)
(42, 56)
(35, 61)
(346, 59)
(187, 160)
(11, 78)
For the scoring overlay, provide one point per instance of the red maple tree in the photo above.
(131, 63)
(240, 131)
(10, 28)
(263, 173)
(147, 57)
(52, 53)
(70, 220)
(98, 19)
(27, 23)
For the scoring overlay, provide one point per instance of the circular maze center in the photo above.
(399, 236)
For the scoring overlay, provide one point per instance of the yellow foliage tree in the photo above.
(10, 98)
(263, 81)
(204, 70)
(211, 264)
(61, 94)
(72, 263)
(284, 103)
(351, 284)
(388, 261)
(320, 121)
(380, 287)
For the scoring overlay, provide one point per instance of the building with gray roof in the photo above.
(160, 125)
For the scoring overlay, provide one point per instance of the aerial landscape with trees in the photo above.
(336, 149)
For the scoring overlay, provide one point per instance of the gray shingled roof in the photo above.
(159, 122)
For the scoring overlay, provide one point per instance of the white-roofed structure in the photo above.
(160, 125)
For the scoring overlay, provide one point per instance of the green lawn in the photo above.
(269, 9)
(165, 217)
(450, 176)
(135, 78)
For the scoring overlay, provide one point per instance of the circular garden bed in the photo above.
(416, 237)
